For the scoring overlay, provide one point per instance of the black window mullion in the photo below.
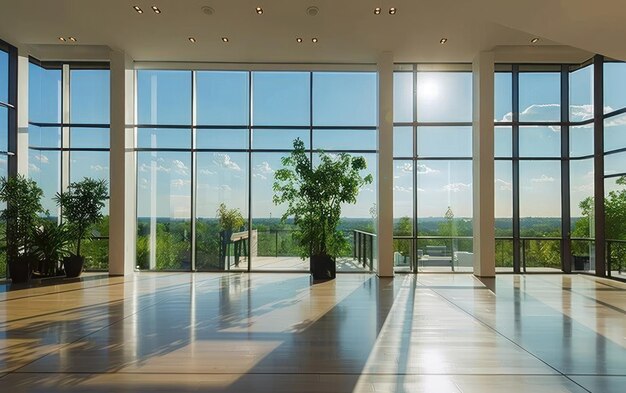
(515, 169)
(566, 246)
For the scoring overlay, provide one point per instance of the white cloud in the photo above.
(206, 172)
(457, 187)
(403, 189)
(504, 185)
(224, 161)
(423, 169)
(43, 159)
(99, 168)
(180, 183)
(262, 170)
(148, 167)
(180, 167)
(584, 187)
(33, 168)
(543, 179)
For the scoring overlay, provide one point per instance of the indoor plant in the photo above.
(81, 208)
(314, 195)
(22, 197)
(51, 243)
(229, 220)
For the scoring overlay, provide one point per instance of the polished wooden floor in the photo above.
(267, 332)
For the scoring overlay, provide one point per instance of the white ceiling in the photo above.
(347, 30)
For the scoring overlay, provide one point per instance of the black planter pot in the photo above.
(73, 265)
(323, 267)
(20, 269)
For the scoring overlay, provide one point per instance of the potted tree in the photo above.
(229, 220)
(22, 197)
(81, 207)
(51, 244)
(314, 196)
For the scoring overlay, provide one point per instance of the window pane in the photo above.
(89, 138)
(540, 96)
(221, 178)
(4, 128)
(503, 142)
(45, 168)
(93, 164)
(581, 94)
(344, 139)
(444, 188)
(279, 139)
(163, 210)
(615, 163)
(222, 98)
(44, 94)
(164, 138)
(504, 198)
(44, 136)
(614, 86)
(615, 132)
(281, 98)
(581, 189)
(403, 197)
(403, 141)
(89, 101)
(581, 140)
(4, 76)
(403, 97)
(540, 198)
(503, 97)
(344, 99)
(164, 97)
(444, 96)
(444, 141)
(614, 194)
(221, 139)
(540, 141)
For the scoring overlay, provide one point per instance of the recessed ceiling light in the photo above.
(156, 9)
(443, 40)
(225, 39)
(208, 10)
(259, 10)
(62, 39)
(534, 40)
(299, 40)
(377, 11)
(314, 40)
(392, 11)
(192, 40)
(138, 9)
(73, 39)
(312, 11)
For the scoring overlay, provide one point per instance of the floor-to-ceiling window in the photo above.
(68, 137)
(7, 126)
(211, 141)
(614, 89)
(433, 168)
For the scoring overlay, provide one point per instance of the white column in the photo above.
(122, 223)
(483, 165)
(384, 197)
(22, 113)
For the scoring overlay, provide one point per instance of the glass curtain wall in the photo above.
(433, 168)
(209, 142)
(7, 126)
(614, 105)
(68, 137)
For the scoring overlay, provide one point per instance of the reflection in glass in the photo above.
(163, 210)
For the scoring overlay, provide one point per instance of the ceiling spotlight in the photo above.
(392, 11)
(312, 11)
(225, 39)
(299, 40)
(259, 10)
(73, 39)
(443, 40)
(534, 40)
(208, 10)
(192, 40)
(314, 40)
(156, 9)
(139, 10)
(62, 39)
(377, 11)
